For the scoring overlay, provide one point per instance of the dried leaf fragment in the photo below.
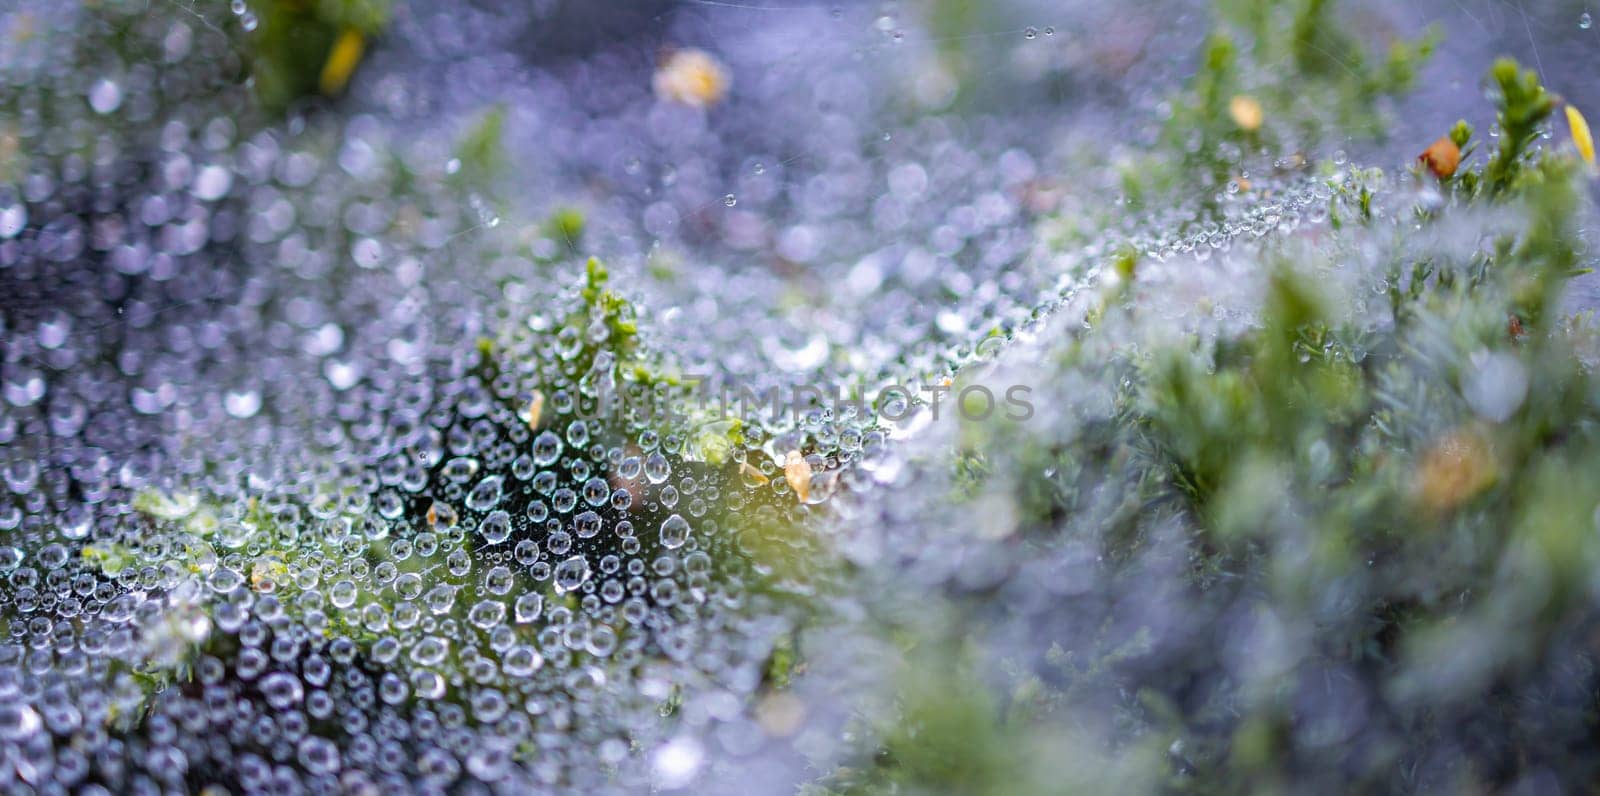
(780, 715)
(441, 515)
(1442, 157)
(1246, 112)
(1454, 470)
(691, 77)
(752, 475)
(797, 471)
(535, 408)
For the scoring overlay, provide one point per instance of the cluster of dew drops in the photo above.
(268, 522)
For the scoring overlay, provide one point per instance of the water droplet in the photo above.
(18, 722)
(242, 404)
(546, 448)
(572, 573)
(674, 532)
(105, 96)
(496, 527)
(211, 183)
(13, 219)
(367, 252)
(486, 495)
(528, 607)
(487, 613)
(657, 468)
(677, 763)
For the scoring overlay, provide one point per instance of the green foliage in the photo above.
(952, 23)
(1522, 106)
(566, 226)
(952, 734)
(1305, 74)
(481, 150)
(306, 48)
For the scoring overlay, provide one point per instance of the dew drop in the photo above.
(496, 527)
(105, 96)
(486, 495)
(674, 532)
(572, 573)
(546, 448)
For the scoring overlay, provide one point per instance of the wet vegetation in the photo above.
(339, 458)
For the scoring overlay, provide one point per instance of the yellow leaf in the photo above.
(342, 60)
(1581, 135)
